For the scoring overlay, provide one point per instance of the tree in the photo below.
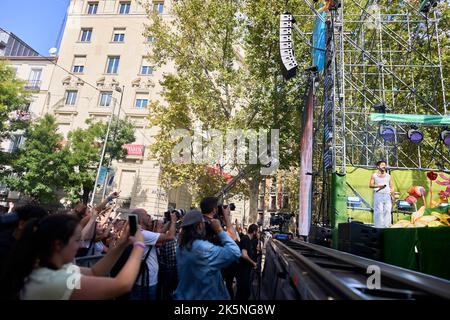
(84, 152)
(40, 168)
(227, 76)
(13, 96)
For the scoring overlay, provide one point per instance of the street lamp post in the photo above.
(121, 90)
(118, 89)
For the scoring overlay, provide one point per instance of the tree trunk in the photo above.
(254, 194)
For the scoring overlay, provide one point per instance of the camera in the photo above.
(179, 212)
(220, 208)
(281, 220)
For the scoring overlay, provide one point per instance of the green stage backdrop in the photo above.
(423, 249)
(358, 185)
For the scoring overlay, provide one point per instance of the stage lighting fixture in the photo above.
(445, 137)
(387, 132)
(414, 135)
(289, 64)
(380, 107)
(426, 5)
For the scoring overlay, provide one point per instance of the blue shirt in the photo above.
(199, 269)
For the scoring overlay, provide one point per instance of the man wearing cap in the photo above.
(199, 262)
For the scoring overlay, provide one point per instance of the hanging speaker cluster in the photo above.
(289, 64)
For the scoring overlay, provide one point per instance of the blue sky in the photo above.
(37, 22)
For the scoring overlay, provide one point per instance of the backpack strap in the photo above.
(144, 273)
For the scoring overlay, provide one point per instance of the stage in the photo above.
(426, 250)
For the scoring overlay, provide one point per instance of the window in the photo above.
(105, 99)
(71, 98)
(151, 39)
(145, 68)
(78, 69)
(86, 35)
(78, 64)
(285, 202)
(112, 65)
(158, 7)
(34, 79)
(124, 7)
(141, 101)
(118, 35)
(260, 202)
(273, 202)
(92, 7)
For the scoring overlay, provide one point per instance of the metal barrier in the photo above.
(88, 261)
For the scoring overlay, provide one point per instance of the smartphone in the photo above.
(132, 220)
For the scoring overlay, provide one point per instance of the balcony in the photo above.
(34, 85)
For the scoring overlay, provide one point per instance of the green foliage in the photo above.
(227, 76)
(84, 152)
(41, 167)
(13, 96)
(44, 166)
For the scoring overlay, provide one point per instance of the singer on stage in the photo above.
(382, 204)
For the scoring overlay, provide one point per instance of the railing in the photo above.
(33, 85)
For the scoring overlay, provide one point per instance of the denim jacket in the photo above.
(199, 269)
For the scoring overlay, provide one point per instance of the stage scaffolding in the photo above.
(382, 56)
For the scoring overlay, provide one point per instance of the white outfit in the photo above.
(382, 203)
(150, 239)
(48, 284)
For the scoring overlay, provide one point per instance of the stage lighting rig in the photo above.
(426, 5)
(387, 132)
(414, 135)
(445, 136)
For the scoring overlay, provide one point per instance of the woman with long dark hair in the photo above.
(41, 266)
(199, 261)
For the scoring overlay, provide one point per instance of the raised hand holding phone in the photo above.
(132, 219)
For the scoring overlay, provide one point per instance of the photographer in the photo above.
(167, 258)
(147, 281)
(200, 261)
(210, 211)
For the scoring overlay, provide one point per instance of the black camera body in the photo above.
(179, 212)
(220, 208)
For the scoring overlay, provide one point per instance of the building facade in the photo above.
(103, 52)
(12, 46)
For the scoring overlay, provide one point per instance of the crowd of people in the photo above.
(195, 256)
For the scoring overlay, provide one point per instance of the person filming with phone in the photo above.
(147, 280)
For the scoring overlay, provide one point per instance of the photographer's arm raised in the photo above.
(170, 235)
(229, 225)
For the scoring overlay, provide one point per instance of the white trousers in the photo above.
(382, 206)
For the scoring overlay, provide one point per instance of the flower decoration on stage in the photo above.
(444, 194)
(432, 175)
(444, 220)
(415, 192)
(418, 220)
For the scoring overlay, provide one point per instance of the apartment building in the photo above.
(36, 71)
(104, 71)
